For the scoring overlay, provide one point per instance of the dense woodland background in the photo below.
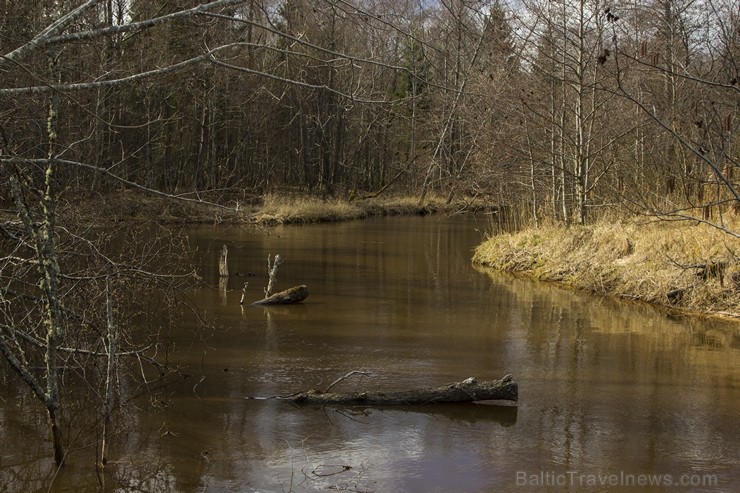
(561, 109)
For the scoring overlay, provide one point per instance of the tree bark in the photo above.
(295, 294)
(469, 390)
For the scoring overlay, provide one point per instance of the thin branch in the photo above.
(42, 38)
(679, 138)
(322, 87)
(353, 372)
(108, 173)
(84, 86)
(47, 36)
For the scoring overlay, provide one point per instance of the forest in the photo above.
(563, 111)
(557, 109)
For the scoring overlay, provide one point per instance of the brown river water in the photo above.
(613, 396)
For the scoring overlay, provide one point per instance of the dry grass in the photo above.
(633, 259)
(291, 209)
(280, 210)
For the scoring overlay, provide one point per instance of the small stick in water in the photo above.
(244, 292)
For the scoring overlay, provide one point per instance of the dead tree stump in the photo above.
(223, 266)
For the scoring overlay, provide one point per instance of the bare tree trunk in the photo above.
(563, 120)
(553, 156)
(49, 267)
(580, 158)
(272, 272)
(110, 375)
(43, 245)
(56, 434)
(42, 234)
(532, 169)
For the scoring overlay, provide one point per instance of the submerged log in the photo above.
(469, 390)
(295, 294)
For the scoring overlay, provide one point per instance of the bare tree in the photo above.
(692, 58)
(59, 280)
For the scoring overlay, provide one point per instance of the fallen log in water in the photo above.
(469, 390)
(295, 294)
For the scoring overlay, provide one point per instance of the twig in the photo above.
(353, 372)
(318, 470)
(244, 292)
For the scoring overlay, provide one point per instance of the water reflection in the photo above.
(605, 386)
(636, 391)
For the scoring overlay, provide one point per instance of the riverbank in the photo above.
(683, 265)
(266, 210)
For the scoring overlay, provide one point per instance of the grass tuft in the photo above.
(304, 209)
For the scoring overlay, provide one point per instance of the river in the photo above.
(614, 395)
